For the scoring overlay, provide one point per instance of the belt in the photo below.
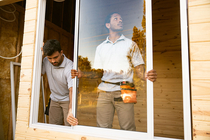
(120, 83)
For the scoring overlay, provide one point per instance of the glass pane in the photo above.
(112, 58)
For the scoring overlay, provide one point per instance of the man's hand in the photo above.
(75, 73)
(151, 75)
(71, 119)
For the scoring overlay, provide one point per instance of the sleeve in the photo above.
(136, 56)
(44, 65)
(97, 61)
(68, 75)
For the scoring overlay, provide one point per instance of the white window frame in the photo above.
(113, 133)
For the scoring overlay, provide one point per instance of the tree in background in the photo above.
(139, 37)
(84, 63)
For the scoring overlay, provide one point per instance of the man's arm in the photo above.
(140, 71)
(150, 75)
(79, 73)
(70, 118)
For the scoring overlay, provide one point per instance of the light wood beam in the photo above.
(6, 2)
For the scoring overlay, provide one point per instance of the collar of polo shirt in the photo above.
(122, 37)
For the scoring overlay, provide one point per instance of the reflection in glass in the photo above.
(112, 52)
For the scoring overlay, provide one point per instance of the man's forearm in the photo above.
(70, 98)
(91, 74)
(140, 71)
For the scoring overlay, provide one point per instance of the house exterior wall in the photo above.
(23, 131)
(199, 26)
(199, 40)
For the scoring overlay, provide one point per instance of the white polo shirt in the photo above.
(59, 78)
(113, 59)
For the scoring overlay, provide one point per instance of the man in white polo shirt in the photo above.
(58, 70)
(114, 57)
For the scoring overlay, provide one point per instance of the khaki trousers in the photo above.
(58, 112)
(106, 107)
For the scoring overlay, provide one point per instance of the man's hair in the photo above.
(51, 46)
(108, 17)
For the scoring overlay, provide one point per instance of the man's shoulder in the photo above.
(45, 61)
(128, 40)
(68, 61)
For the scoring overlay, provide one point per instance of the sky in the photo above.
(91, 23)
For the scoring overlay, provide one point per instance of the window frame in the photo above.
(113, 133)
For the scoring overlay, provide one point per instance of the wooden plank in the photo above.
(197, 2)
(169, 105)
(200, 70)
(23, 101)
(200, 137)
(26, 75)
(25, 88)
(31, 4)
(30, 26)
(201, 116)
(201, 106)
(199, 14)
(58, 29)
(200, 89)
(199, 32)
(27, 63)
(28, 50)
(23, 114)
(201, 129)
(199, 26)
(166, 26)
(199, 51)
(6, 2)
(31, 14)
(28, 38)
(52, 34)
(201, 112)
(166, 65)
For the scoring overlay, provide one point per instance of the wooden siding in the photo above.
(167, 61)
(199, 35)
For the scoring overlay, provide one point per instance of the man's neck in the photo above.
(113, 36)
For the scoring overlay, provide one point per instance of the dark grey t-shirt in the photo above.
(59, 78)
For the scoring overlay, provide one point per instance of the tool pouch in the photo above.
(128, 92)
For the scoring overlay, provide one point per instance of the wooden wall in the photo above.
(11, 35)
(199, 37)
(167, 62)
(168, 105)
